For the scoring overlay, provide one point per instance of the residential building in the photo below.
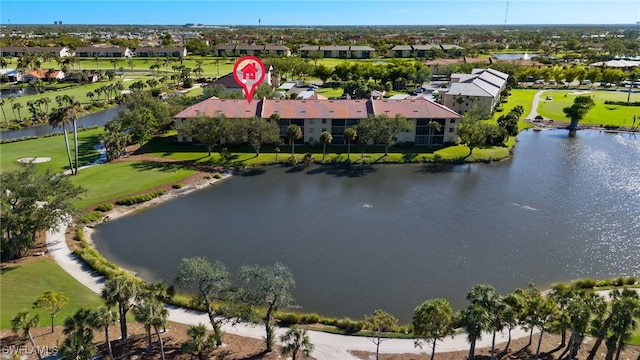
(42, 74)
(16, 51)
(101, 52)
(178, 52)
(482, 88)
(317, 115)
(252, 50)
(402, 51)
(361, 52)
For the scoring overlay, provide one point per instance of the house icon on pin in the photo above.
(249, 71)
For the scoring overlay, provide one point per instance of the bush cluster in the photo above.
(132, 200)
(217, 176)
(509, 122)
(104, 207)
(177, 186)
(91, 217)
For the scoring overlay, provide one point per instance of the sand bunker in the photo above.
(579, 92)
(34, 160)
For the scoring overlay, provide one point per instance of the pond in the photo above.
(391, 236)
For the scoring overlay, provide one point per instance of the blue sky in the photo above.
(321, 12)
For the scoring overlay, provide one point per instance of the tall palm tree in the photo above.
(120, 290)
(296, 340)
(59, 119)
(325, 139)
(293, 133)
(4, 115)
(102, 318)
(16, 107)
(350, 134)
(73, 106)
(433, 126)
(152, 313)
(475, 321)
(22, 323)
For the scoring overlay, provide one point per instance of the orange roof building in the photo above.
(315, 116)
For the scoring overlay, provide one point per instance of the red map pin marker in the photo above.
(249, 72)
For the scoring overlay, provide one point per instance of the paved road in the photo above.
(534, 105)
(327, 346)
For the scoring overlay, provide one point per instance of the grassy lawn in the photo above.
(517, 97)
(330, 92)
(52, 147)
(111, 181)
(22, 284)
(600, 114)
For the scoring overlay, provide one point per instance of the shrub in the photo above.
(104, 207)
(177, 186)
(631, 280)
(349, 325)
(288, 318)
(207, 176)
(584, 284)
(622, 103)
(91, 217)
(132, 200)
(499, 109)
(217, 176)
(310, 319)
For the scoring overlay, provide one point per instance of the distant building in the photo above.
(103, 52)
(178, 52)
(17, 51)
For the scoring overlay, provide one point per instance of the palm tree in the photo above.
(91, 95)
(296, 340)
(350, 134)
(120, 290)
(433, 126)
(23, 322)
(152, 313)
(59, 119)
(293, 133)
(198, 341)
(474, 320)
(102, 318)
(623, 322)
(325, 139)
(486, 297)
(16, 107)
(4, 115)
(78, 344)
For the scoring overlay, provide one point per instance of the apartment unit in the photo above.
(483, 88)
(318, 115)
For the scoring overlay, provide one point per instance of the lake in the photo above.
(391, 236)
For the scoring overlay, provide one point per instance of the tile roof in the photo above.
(425, 47)
(237, 108)
(401, 47)
(316, 109)
(320, 108)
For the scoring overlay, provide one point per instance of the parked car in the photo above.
(539, 82)
(585, 82)
(552, 82)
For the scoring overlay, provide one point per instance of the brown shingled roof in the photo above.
(213, 106)
(316, 109)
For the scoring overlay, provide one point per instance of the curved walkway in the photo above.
(534, 106)
(327, 346)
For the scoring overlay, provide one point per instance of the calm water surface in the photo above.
(391, 236)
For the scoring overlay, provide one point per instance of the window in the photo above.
(311, 130)
(451, 130)
(312, 122)
(324, 121)
(312, 140)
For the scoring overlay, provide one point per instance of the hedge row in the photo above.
(132, 200)
(622, 103)
(94, 259)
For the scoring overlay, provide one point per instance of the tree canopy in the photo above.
(33, 201)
